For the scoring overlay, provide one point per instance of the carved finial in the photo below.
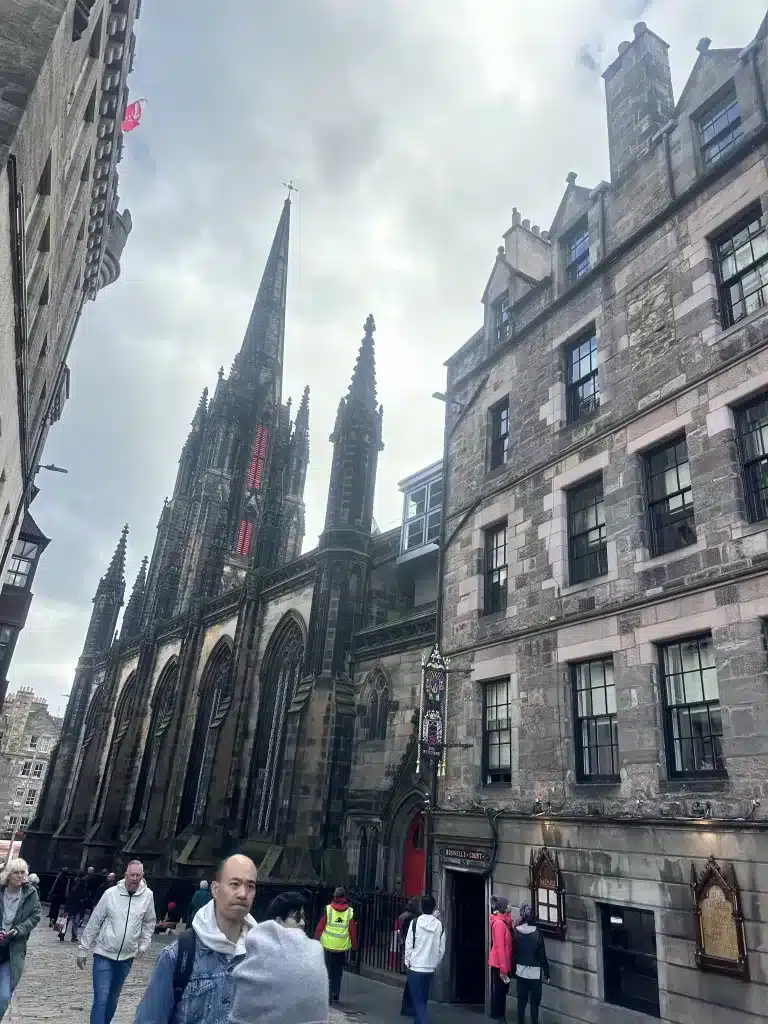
(221, 372)
(370, 326)
(571, 177)
(703, 44)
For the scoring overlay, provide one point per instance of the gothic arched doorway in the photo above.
(414, 856)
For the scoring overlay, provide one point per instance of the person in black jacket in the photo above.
(531, 959)
(58, 895)
(77, 904)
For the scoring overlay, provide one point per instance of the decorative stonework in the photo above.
(547, 892)
(720, 942)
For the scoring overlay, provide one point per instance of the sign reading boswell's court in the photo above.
(475, 857)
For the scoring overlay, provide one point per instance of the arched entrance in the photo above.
(414, 856)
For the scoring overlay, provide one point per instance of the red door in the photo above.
(414, 857)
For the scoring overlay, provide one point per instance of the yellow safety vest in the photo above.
(335, 935)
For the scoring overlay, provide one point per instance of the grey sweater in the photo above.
(282, 979)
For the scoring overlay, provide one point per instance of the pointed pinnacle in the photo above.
(302, 416)
(141, 577)
(363, 386)
(116, 571)
(202, 409)
(265, 331)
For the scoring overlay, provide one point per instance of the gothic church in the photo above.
(256, 698)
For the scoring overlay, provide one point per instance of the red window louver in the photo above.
(258, 457)
(244, 537)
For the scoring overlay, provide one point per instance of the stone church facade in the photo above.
(606, 568)
(252, 687)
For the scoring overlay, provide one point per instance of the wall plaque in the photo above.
(476, 858)
(720, 943)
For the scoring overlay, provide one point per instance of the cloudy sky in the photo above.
(411, 127)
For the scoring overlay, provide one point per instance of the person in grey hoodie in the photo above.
(283, 979)
(531, 959)
(202, 994)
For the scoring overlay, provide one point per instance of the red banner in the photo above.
(133, 114)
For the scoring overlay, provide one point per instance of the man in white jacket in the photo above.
(424, 949)
(119, 930)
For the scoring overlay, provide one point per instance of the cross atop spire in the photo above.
(363, 386)
(266, 329)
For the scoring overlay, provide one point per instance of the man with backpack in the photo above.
(424, 949)
(204, 954)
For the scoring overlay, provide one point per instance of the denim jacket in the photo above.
(206, 999)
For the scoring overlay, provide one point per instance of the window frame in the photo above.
(574, 576)
(724, 284)
(498, 416)
(751, 491)
(576, 236)
(22, 563)
(502, 317)
(582, 776)
(573, 401)
(715, 107)
(655, 547)
(667, 709)
(504, 770)
(25, 774)
(497, 605)
(430, 531)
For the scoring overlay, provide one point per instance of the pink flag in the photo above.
(133, 114)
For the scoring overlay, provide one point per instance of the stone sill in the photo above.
(725, 334)
(745, 529)
(708, 784)
(605, 787)
(578, 588)
(642, 565)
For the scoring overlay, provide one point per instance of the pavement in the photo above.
(53, 988)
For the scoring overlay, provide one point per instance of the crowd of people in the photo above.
(227, 967)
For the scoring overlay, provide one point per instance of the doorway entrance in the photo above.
(467, 934)
(414, 857)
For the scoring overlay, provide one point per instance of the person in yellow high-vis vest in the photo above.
(337, 932)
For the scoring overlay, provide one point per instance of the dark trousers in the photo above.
(528, 988)
(419, 984)
(108, 980)
(53, 913)
(406, 1006)
(334, 964)
(499, 991)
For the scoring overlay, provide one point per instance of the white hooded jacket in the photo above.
(207, 930)
(122, 923)
(424, 944)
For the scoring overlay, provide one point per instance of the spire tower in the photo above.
(107, 601)
(133, 610)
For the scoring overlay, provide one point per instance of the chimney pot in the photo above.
(703, 44)
(536, 229)
(527, 224)
(500, 250)
(623, 47)
(639, 28)
(516, 218)
(571, 177)
(545, 236)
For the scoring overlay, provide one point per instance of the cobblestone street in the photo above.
(54, 989)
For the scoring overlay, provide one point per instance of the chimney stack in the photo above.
(638, 97)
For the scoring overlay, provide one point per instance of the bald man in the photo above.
(204, 952)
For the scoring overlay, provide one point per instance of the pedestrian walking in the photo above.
(119, 930)
(77, 901)
(282, 979)
(337, 932)
(108, 882)
(424, 949)
(58, 895)
(201, 897)
(531, 957)
(21, 913)
(501, 956)
(412, 909)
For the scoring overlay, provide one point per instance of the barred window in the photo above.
(496, 570)
(670, 497)
(583, 382)
(597, 734)
(741, 260)
(694, 726)
(752, 428)
(499, 433)
(497, 733)
(577, 252)
(720, 128)
(587, 547)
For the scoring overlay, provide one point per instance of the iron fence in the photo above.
(378, 935)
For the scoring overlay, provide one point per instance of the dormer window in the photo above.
(577, 252)
(22, 563)
(720, 127)
(423, 509)
(502, 313)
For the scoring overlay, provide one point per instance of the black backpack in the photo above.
(185, 961)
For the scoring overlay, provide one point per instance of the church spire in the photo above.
(266, 328)
(302, 416)
(363, 386)
(135, 606)
(107, 602)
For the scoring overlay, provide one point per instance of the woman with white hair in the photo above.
(20, 910)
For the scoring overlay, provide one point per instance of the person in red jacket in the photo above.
(501, 956)
(337, 932)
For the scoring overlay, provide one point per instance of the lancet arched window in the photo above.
(378, 707)
(162, 712)
(279, 677)
(215, 702)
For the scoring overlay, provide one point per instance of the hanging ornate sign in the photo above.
(720, 943)
(434, 673)
(547, 892)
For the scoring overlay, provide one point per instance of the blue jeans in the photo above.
(5, 987)
(108, 980)
(418, 985)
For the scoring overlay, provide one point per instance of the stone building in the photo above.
(28, 735)
(252, 686)
(63, 88)
(606, 567)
